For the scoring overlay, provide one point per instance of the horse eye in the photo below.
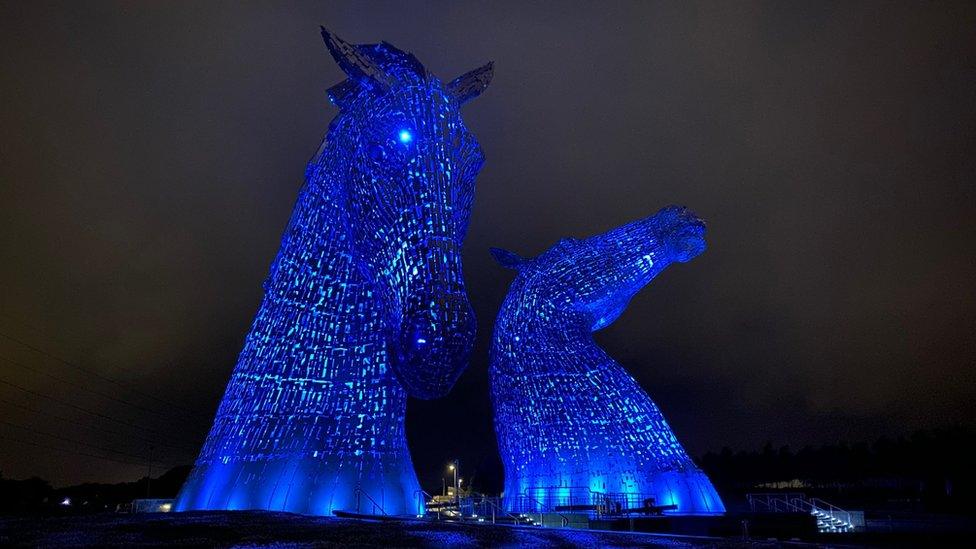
(376, 152)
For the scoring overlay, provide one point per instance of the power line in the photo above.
(94, 427)
(85, 389)
(68, 439)
(88, 370)
(79, 408)
(68, 451)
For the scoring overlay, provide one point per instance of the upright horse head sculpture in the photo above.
(365, 303)
(409, 185)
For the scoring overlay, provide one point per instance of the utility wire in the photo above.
(94, 427)
(88, 370)
(85, 389)
(79, 408)
(68, 451)
(68, 439)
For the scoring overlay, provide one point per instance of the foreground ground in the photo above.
(281, 530)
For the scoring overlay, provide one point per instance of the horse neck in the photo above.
(317, 252)
(535, 331)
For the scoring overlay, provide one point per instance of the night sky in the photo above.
(150, 156)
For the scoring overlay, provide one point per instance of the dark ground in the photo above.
(263, 529)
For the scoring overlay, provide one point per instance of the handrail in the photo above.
(420, 493)
(485, 502)
(495, 507)
(773, 501)
(827, 508)
(828, 514)
(360, 491)
(570, 495)
(563, 518)
(803, 504)
(833, 509)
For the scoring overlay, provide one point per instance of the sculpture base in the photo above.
(686, 492)
(690, 491)
(308, 486)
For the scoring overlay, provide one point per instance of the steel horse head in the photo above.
(364, 305)
(408, 164)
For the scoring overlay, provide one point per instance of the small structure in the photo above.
(152, 505)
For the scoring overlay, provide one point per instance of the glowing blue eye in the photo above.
(421, 340)
(405, 136)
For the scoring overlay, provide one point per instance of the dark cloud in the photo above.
(150, 157)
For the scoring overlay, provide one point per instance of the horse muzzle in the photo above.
(434, 344)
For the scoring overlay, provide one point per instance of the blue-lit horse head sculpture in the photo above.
(573, 426)
(409, 186)
(365, 303)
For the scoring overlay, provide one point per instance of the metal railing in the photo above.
(477, 508)
(776, 502)
(584, 500)
(564, 520)
(422, 503)
(359, 493)
(540, 506)
(481, 507)
(829, 517)
(548, 498)
(836, 517)
(497, 509)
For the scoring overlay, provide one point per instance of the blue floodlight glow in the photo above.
(573, 426)
(405, 136)
(365, 304)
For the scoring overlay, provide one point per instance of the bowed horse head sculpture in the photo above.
(597, 276)
(571, 422)
(410, 186)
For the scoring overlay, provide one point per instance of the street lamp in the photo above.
(457, 494)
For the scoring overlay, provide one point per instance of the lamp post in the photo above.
(457, 494)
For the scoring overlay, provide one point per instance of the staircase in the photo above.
(830, 518)
(833, 521)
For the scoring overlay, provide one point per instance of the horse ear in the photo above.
(507, 259)
(470, 84)
(357, 66)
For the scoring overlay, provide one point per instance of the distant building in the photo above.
(152, 505)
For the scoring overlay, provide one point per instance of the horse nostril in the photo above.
(433, 346)
(415, 337)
